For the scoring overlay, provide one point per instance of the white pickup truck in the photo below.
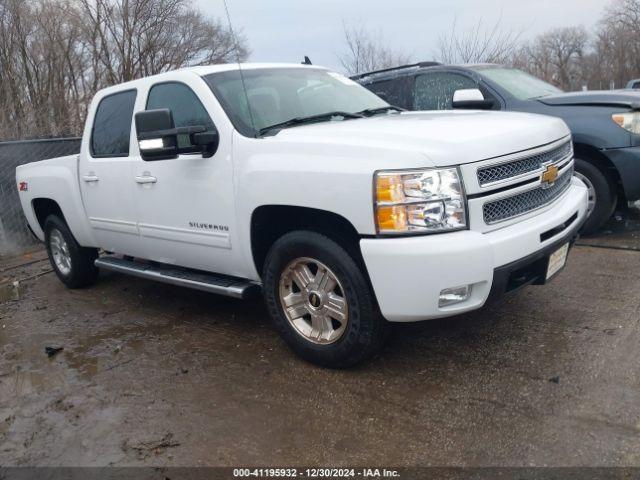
(295, 181)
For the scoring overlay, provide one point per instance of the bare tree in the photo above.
(557, 56)
(133, 38)
(618, 41)
(366, 51)
(569, 57)
(572, 58)
(55, 54)
(479, 44)
(36, 47)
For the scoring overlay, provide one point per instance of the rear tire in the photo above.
(332, 318)
(73, 264)
(601, 192)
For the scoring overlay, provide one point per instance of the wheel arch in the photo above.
(595, 157)
(270, 222)
(43, 207)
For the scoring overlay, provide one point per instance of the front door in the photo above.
(185, 206)
(104, 172)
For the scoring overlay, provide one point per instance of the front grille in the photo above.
(503, 171)
(525, 202)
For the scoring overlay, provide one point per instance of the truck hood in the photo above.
(627, 98)
(446, 138)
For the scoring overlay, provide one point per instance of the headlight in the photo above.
(419, 201)
(629, 121)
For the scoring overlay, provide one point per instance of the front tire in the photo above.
(320, 301)
(73, 264)
(602, 195)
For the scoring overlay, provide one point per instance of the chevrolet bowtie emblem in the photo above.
(549, 176)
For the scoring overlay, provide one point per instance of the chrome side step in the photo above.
(183, 277)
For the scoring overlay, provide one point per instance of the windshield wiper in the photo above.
(310, 119)
(374, 111)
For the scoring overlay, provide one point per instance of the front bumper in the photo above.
(627, 162)
(409, 273)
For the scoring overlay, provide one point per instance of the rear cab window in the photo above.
(111, 130)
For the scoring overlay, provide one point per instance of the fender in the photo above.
(55, 179)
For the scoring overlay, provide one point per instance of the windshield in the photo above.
(277, 95)
(518, 83)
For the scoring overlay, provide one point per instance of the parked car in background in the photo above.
(605, 125)
(299, 182)
(634, 84)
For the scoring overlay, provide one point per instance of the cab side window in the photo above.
(184, 104)
(112, 125)
(434, 91)
(391, 91)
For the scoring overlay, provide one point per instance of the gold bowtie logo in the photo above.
(549, 176)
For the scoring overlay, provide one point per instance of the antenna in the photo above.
(235, 44)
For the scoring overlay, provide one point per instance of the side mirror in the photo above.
(156, 134)
(159, 139)
(207, 142)
(471, 99)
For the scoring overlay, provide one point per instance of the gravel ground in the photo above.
(158, 375)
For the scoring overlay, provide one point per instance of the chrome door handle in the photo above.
(146, 179)
(90, 178)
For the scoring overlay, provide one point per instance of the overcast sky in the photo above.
(286, 30)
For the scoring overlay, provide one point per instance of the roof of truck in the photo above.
(201, 70)
(224, 67)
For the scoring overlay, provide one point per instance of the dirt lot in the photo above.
(158, 375)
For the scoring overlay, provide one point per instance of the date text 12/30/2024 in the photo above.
(315, 473)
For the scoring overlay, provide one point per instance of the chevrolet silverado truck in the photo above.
(297, 182)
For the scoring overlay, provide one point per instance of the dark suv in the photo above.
(605, 124)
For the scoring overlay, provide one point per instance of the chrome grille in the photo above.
(525, 202)
(503, 171)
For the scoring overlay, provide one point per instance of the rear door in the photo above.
(105, 172)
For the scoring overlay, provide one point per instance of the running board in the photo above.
(183, 277)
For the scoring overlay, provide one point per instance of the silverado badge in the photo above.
(549, 176)
(209, 226)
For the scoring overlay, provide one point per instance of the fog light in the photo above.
(451, 296)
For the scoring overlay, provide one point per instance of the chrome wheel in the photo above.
(60, 252)
(592, 192)
(313, 301)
